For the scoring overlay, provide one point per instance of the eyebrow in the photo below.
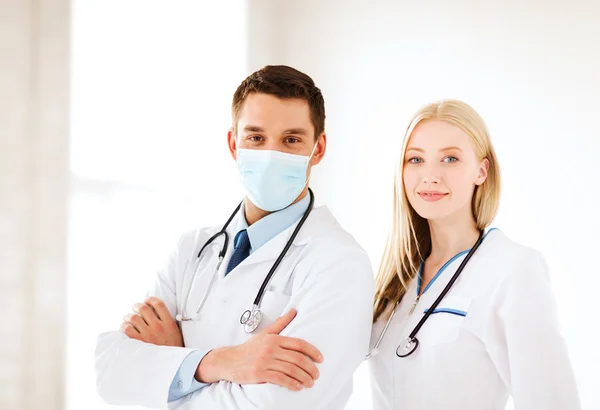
(441, 150)
(253, 128)
(289, 131)
(295, 131)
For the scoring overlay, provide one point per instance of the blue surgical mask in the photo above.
(272, 179)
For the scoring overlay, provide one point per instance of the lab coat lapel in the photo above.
(319, 221)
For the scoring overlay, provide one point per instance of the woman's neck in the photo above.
(450, 237)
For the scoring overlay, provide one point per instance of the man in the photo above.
(323, 285)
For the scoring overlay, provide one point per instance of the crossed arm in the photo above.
(265, 358)
(137, 365)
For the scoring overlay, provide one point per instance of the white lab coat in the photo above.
(325, 275)
(507, 344)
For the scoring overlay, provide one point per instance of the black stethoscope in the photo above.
(410, 344)
(251, 318)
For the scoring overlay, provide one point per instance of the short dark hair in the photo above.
(286, 83)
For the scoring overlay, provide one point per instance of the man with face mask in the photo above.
(315, 309)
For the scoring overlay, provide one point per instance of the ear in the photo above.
(232, 143)
(319, 150)
(483, 172)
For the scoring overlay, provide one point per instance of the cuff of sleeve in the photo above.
(184, 382)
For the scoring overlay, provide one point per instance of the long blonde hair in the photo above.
(409, 240)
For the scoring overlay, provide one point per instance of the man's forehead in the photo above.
(257, 118)
(266, 103)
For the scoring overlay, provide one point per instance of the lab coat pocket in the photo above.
(194, 335)
(272, 307)
(444, 324)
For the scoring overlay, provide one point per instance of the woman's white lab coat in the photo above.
(496, 334)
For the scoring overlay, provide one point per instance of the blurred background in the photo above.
(113, 141)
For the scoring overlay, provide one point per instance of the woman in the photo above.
(493, 332)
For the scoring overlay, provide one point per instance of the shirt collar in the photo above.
(265, 229)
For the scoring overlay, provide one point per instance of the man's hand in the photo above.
(265, 358)
(152, 323)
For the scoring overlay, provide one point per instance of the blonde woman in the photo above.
(464, 317)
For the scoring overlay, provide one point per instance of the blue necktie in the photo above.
(241, 250)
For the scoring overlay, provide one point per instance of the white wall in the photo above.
(152, 83)
(34, 47)
(531, 70)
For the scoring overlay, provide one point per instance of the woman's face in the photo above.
(441, 170)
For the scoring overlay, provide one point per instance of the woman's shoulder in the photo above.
(507, 266)
(505, 255)
(503, 246)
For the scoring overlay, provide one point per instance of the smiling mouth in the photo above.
(431, 196)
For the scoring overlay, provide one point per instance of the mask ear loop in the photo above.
(314, 149)
(309, 158)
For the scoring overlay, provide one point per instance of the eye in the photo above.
(450, 159)
(255, 138)
(415, 160)
(292, 140)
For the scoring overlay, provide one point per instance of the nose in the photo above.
(430, 180)
(274, 145)
(430, 173)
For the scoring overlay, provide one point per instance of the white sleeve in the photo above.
(130, 372)
(524, 340)
(334, 307)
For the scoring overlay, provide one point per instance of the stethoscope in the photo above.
(251, 318)
(410, 344)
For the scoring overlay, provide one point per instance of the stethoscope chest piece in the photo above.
(251, 320)
(407, 347)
